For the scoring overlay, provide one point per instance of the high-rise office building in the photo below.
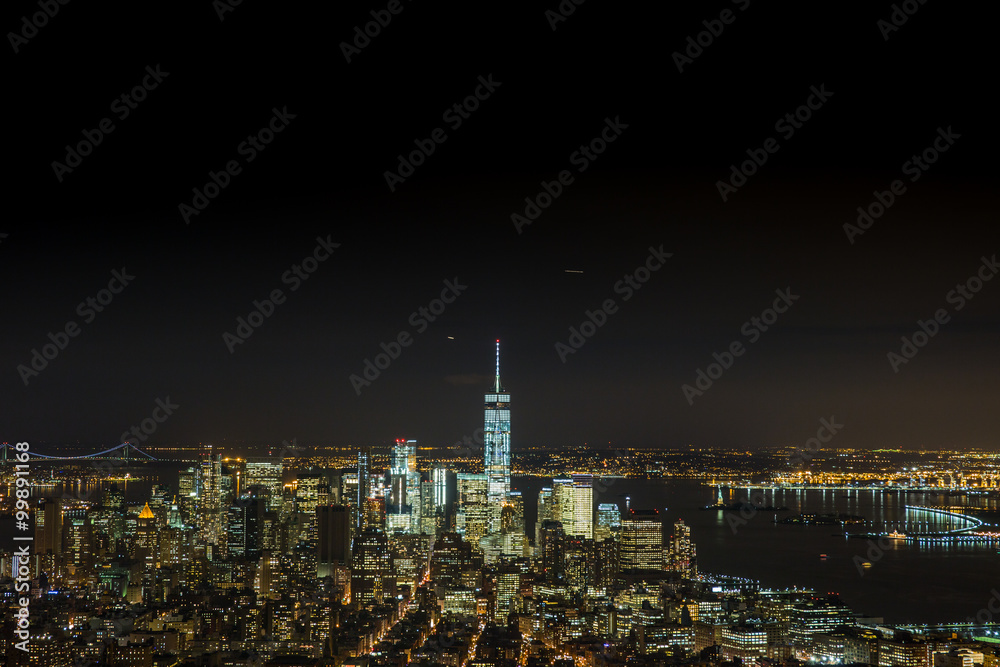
(607, 559)
(582, 517)
(188, 486)
(439, 477)
(552, 548)
(570, 501)
(371, 567)
(475, 508)
(546, 512)
(210, 496)
(609, 521)
(682, 550)
(642, 540)
(404, 457)
(244, 532)
(410, 558)
(428, 509)
(78, 551)
(564, 501)
(174, 545)
(452, 558)
(508, 588)
(48, 526)
(512, 514)
(363, 491)
(403, 513)
(264, 473)
(309, 486)
(333, 543)
(147, 547)
(496, 441)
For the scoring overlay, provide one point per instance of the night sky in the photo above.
(606, 68)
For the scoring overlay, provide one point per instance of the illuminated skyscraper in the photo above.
(210, 496)
(244, 527)
(546, 511)
(609, 521)
(78, 544)
(475, 511)
(265, 472)
(404, 492)
(642, 540)
(428, 509)
(562, 493)
(552, 547)
(146, 543)
(363, 491)
(496, 440)
(308, 488)
(682, 550)
(583, 507)
(371, 567)
(48, 526)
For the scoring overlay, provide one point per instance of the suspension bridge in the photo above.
(126, 452)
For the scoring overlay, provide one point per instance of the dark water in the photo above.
(907, 583)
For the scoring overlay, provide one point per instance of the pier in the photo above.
(950, 535)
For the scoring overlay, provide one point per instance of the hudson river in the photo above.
(909, 583)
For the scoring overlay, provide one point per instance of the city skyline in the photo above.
(258, 262)
(316, 552)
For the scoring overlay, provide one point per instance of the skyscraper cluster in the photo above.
(323, 562)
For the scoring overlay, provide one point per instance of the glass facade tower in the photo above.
(496, 441)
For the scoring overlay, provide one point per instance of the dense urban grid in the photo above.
(408, 560)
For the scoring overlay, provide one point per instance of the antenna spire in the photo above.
(498, 367)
